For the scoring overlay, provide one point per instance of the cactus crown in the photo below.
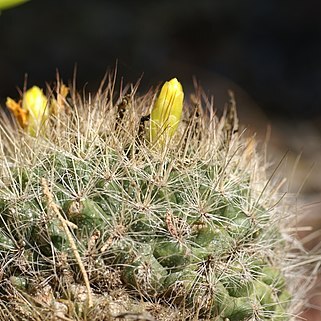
(189, 227)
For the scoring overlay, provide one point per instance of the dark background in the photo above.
(270, 50)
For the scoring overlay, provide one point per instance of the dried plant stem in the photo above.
(73, 246)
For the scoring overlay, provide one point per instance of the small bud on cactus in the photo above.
(190, 232)
(166, 112)
(34, 112)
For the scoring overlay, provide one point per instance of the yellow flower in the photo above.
(34, 111)
(6, 4)
(167, 111)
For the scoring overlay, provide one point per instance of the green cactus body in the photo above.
(272, 276)
(85, 213)
(145, 273)
(238, 309)
(19, 282)
(187, 222)
(6, 243)
(172, 255)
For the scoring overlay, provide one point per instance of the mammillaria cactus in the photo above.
(157, 212)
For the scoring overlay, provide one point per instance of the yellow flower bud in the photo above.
(167, 111)
(36, 104)
(34, 111)
(6, 4)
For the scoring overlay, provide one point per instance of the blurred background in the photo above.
(267, 52)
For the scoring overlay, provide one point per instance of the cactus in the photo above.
(177, 214)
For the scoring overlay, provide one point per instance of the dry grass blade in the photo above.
(66, 226)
